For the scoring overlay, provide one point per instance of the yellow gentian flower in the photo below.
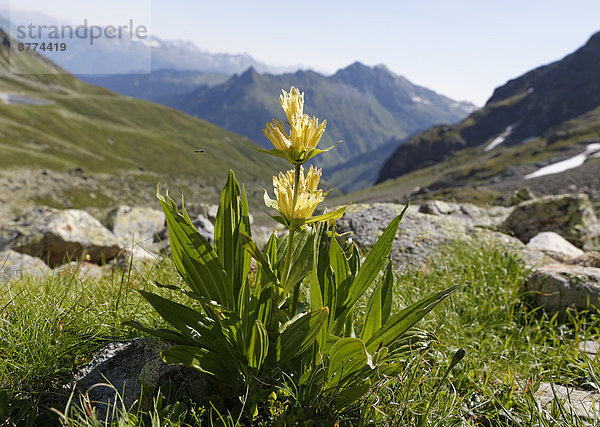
(300, 144)
(308, 197)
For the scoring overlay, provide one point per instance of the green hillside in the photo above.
(66, 143)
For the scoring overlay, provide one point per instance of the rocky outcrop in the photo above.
(555, 246)
(556, 287)
(468, 214)
(571, 216)
(135, 225)
(422, 236)
(127, 367)
(14, 265)
(57, 236)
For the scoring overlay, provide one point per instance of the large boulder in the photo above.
(556, 287)
(135, 225)
(571, 216)
(555, 245)
(468, 214)
(421, 237)
(130, 365)
(57, 236)
(14, 265)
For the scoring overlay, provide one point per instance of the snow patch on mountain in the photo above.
(571, 163)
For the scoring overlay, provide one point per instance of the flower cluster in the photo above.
(297, 195)
(307, 198)
(300, 143)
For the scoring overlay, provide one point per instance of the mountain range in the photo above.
(365, 108)
(125, 56)
(540, 130)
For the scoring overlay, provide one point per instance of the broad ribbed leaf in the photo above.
(373, 264)
(191, 324)
(259, 345)
(347, 357)
(224, 369)
(398, 324)
(194, 257)
(299, 334)
(380, 305)
(301, 263)
(263, 262)
(164, 334)
(231, 220)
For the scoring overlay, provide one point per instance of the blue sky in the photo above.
(463, 49)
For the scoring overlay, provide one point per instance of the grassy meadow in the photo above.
(51, 326)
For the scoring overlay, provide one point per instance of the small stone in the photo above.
(556, 287)
(582, 403)
(590, 347)
(554, 245)
(14, 265)
(85, 270)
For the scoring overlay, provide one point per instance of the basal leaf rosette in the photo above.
(300, 143)
(295, 213)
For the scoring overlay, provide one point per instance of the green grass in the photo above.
(50, 326)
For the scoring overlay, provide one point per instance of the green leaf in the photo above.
(164, 334)
(231, 220)
(380, 305)
(401, 322)
(182, 318)
(252, 248)
(372, 266)
(259, 345)
(298, 334)
(347, 358)
(327, 216)
(222, 368)
(195, 259)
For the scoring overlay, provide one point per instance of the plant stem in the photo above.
(292, 231)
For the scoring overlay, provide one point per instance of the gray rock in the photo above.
(14, 265)
(84, 270)
(589, 347)
(59, 235)
(128, 366)
(576, 402)
(588, 259)
(138, 255)
(556, 287)
(135, 225)
(468, 214)
(422, 236)
(571, 216)
(554, 245)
